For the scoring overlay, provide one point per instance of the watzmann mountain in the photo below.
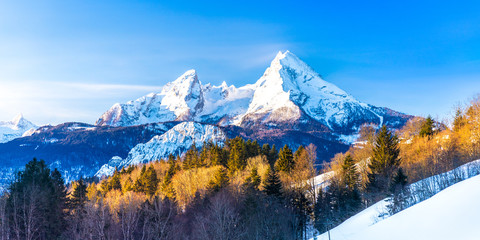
(289, 104)
(289, 93)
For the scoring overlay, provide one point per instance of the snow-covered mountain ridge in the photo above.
(289, 92)
(175, 141)
(15, 128)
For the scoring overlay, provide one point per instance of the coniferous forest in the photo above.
(239, 190)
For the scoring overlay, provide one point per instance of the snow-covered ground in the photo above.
(451, 214)
(423, 220)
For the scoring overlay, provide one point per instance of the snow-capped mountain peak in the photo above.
(178, 100)
(184, 96)
(289, 92)
(15, 128)
(289, 88)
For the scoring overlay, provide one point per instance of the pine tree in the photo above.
(79, 194)
(323, 212)
(254, 179)
(39, 196)
(458, 121)
(150, 181)
(285, 161)
(427, 128)
(220, 180)
(139, 185)
(167, 180)
(115, 181)
(384, 162)
(350, 174)
(399, 193)
(273, 155)
(238, 154)
(349, 200)
(272, 184)
(399, 181)
(192, 158)
(128, 185)
(298, 153)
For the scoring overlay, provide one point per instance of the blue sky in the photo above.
(71, 60)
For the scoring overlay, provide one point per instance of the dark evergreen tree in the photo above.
(348, 194)
(128, 185)
(298, 154)
(139, 185)
(400, 180)
(254, 179)
(384, 162)
(167, 180)
(399, 193)
(36, 203)
(323, 212)
(219, 181)
(459, 120)
(272, 156)
(350, 174)
(253, 148)
(79, 194)
(150, 181)
(285, 161)
(147, 182)
(272, 184)
(427, 128)
(238, 154)
(115, 181)
(192, 158)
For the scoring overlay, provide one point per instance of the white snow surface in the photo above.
(451, 214)
(287, 89)
(175, 141)
(15, 128)
(290, 85)
(360, 226)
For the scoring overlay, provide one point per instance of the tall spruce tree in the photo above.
(272, 184)
(238, 154)
(219, 180)
(349, 200)
(285, 161)
(79, 194)
(150, 181)
(384, 161)
(427, 128)
(459, 120)
(254, 179)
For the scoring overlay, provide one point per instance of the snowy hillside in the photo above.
(451, 214)
(289, 92)
(15, 128)
(376, 217)
(175, 141)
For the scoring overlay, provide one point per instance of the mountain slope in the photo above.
(290, 94)
(289, 87)
(178, 100)
(451, 214)
(15, 128)
(76, 149)
(175, 141)
(375, 215)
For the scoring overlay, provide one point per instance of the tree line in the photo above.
(239, 190)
